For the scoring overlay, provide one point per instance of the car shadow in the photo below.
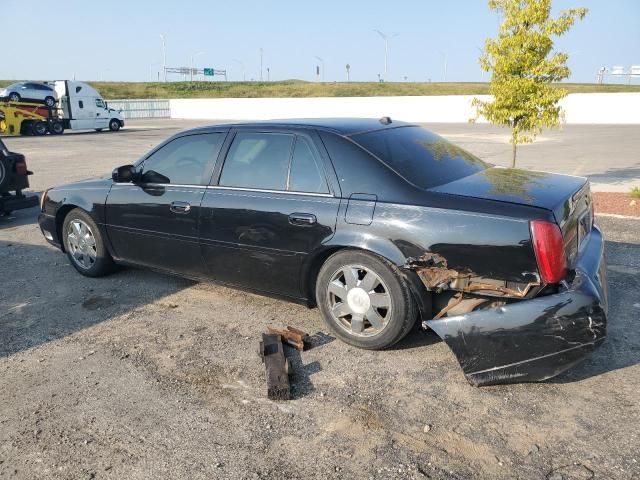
(615, 175)
(621, 349)
(19, 218)
(43, 298)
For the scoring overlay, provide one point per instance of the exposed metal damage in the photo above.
(502, 333)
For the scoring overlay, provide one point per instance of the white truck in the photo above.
(81, 107)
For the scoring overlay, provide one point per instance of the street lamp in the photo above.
(322, 63)
(261, 55)
(444, 76)
(244, 79)
(386, 38)
(164, 58)
(192, 59)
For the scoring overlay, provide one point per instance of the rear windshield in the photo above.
(421, 157)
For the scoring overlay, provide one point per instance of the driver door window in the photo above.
(184, 161)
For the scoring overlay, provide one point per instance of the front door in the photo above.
(154, 222)
(102, 114)
(271, 208)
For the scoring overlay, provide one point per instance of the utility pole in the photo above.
(268, 74)
(348, 67)
(444, 76)
(321, 63)
(192, 58)
(261, 55)
(386, 38)
(164, 57)
(244, 78)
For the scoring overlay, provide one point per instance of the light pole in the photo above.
(164, 58)
(386, 38)
(192, 59)
(244, 79)
(444, 76)
(261, 55)
(322, 63)
(348, 67)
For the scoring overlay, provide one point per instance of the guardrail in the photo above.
(138, 108)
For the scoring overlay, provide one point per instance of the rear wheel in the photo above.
(114, 125)
(84, 245)
(39, 128)
(364, 300)
(50, 102)
(56, 127)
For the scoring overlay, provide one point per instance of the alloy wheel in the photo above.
(81, 244)
(359, 301)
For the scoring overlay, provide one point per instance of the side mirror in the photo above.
(124, 174)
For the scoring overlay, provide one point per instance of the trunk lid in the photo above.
(568, 197)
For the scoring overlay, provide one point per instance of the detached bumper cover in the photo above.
(535, 339)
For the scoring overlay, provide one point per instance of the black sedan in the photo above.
(376, 222)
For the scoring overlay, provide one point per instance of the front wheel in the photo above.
(84, 245)
(364, 300)
(114, 125)
(14, 97)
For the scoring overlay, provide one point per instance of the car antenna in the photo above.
(385, 120)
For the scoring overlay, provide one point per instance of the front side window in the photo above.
(258, 160)
(183, 161)
(99, 103)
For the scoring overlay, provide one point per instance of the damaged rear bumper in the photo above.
(533, 340)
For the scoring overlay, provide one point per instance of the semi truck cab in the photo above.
(81, 107)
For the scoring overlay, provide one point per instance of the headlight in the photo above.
(43, 199)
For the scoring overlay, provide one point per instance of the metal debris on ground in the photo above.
(292, 336)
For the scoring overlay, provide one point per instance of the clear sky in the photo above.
(119, 39)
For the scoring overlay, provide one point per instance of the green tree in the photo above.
(524, 67)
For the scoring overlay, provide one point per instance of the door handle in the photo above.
(180, 207)
(304, 219)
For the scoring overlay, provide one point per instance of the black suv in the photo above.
(14, 177)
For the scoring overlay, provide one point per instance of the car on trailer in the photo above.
(30, 92)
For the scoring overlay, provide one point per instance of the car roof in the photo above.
(342, 126)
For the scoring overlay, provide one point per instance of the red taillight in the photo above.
(21, 168)
(548, 245)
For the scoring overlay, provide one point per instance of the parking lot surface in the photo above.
(139, 375)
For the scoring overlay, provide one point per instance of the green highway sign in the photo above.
(208, 72)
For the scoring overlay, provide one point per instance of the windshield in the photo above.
(419, 156)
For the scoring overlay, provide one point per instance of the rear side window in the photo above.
(419, 156)
(305, 174)
(258, 160)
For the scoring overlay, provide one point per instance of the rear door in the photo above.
(269, 207)
(155, 221)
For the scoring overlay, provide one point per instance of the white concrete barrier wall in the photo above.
(612, 108)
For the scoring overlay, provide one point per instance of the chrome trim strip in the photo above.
(260, 190)
(217, 187)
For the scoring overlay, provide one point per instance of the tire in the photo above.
(84, 245)
(50, 102)
(5, 174)
(114, 125)
(56, 127)
(39, 128)
(381, 305)
(14, 97)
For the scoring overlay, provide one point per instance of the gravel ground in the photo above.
(139, 375)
